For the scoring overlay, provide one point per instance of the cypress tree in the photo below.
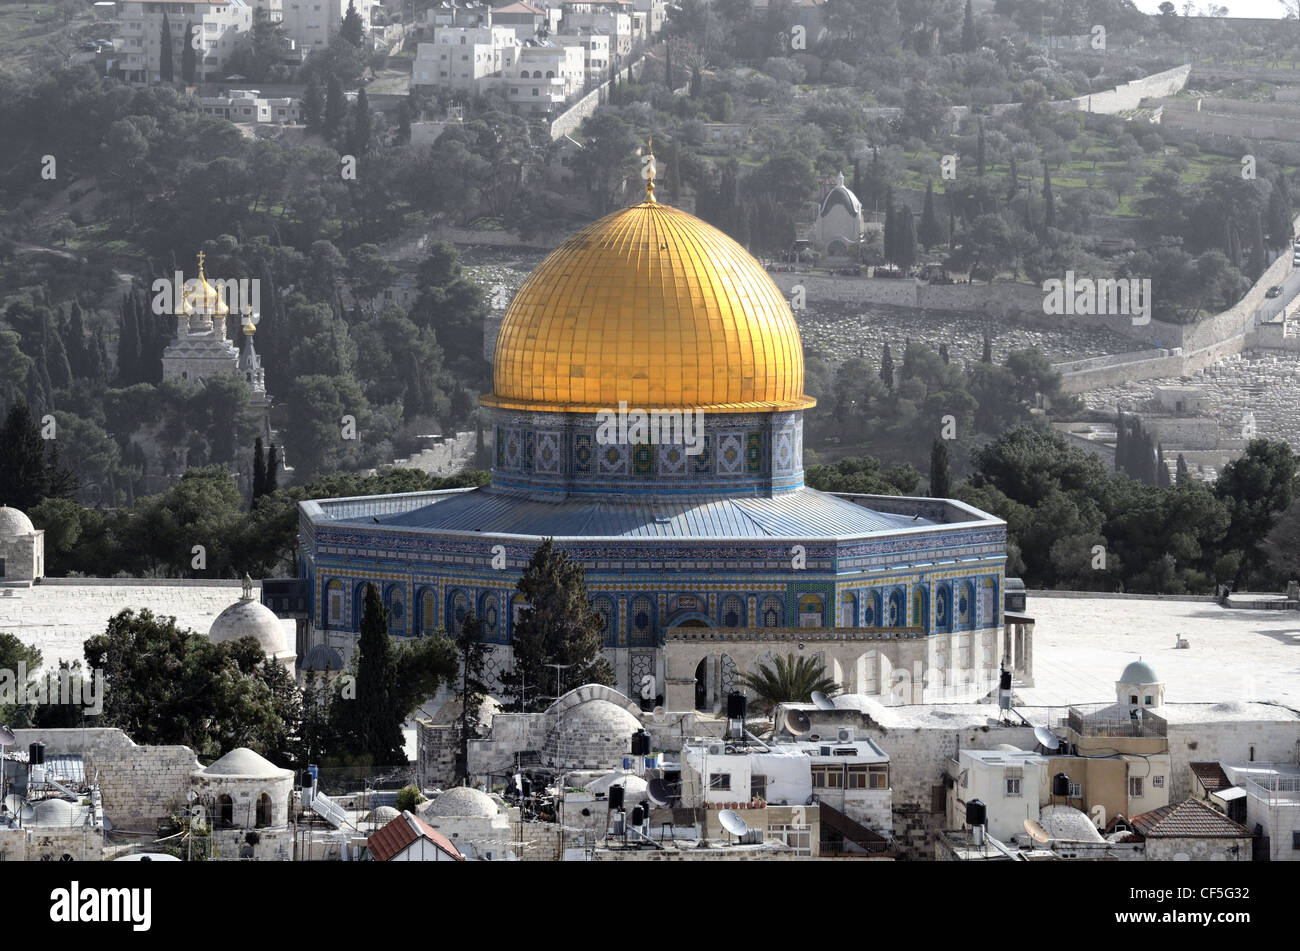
(943, 352)
(674, 171)
(166, 67)
(359, 141)
(1049, 200)
(697, 82)
(272, 471)
(336, 106)
(24, 477)
(259, 470)
(668, 66)
(1013, 181)
(1184, 477)
(905, 239)
(189, 55)
(1162, 470)
(1120, 443)
(75, 341)
(968, 38)
(352, 29)
(940, 473)
(128, 344)
(887, 367)
(979, 151)
(376, 721)
(930, 233)
(313, 105)
(986, 356)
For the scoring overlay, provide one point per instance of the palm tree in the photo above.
(787, 680)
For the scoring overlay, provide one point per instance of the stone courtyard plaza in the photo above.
(1079, 641)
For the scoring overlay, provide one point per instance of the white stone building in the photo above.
(540, 79)
(1272, 795)
(840, 225)
(595, 52)
(472, 820)
(311, 24)
(246, 799)
(248, 106)
(224, 26)
(1192, 831)
(614, 18)
(22, 549)
(462, 57)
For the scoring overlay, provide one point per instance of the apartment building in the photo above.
(222, 25)
(461, 57)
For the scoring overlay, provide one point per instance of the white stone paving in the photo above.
(1082, 644)
(58, 618)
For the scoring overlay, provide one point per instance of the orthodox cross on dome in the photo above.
(200, 265)
(650, 172)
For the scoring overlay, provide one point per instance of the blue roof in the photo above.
(803, 513)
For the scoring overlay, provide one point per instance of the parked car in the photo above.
(1274, 291)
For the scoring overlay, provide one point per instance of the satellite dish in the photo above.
(7, 737)
(659, 793)
(732, 823)
(1046, 738)
(798, 723)
(1036, 831)
(823, 702)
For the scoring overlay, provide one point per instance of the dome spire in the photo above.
(650, 173)
(201, 278)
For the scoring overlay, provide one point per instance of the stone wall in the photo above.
(273, 845)
(1130, 95)
(142, 785)
(45, 844)
(1198, 850)
(1228, 740)
(435, 754)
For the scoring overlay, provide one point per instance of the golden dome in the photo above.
(203, 297)
(652, 306)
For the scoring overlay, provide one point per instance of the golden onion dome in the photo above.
(654, 307)
(203, 297)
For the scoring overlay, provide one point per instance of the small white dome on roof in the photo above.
(249, 618)
(14, 523)
(1139, 672)
(383, 814)
(1068, 823)
(634, 787)
(463, 802)
(591, 735)
(322, 657)
(56, 812)
(242, 761)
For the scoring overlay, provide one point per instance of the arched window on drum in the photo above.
(490, 611)
(848, 610)
(641, 621)
(395, 604)
(733, 612)
(964, 609)
(457, 609)
(812, 611)
(334, 599)
(773, 612)
(426, 611)
(604, 606)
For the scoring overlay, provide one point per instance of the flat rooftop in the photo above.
(1081, 644)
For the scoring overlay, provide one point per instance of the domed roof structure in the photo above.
(242, 761)
(449, 712)
(841, 194)
(322, 657)
(383, 814)
(462, 802)
(248, 617)
(653, 307)
(201, 296)
(591, 735)
(14, 523)
(1139, 672)
(634, 787)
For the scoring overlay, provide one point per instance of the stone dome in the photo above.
(1139, 672)
(449, 712)
(462, 802)
(14, 523)
(249, 618)
(591, 735)
(57, 812)
(634, 787)
(324, 658)
(243, 762)
(654, 307)
(382, 814)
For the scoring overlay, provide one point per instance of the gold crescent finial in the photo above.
(650, 173)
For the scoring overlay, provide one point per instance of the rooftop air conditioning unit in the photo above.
(845, 735)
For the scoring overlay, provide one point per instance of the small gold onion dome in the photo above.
(652, 306)
(203, 298)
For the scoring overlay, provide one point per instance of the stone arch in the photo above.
(537, 74)
(988, 613)
(263, 810)
(592, 692)
(866, 673)
(225, 816)
(358, 603)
